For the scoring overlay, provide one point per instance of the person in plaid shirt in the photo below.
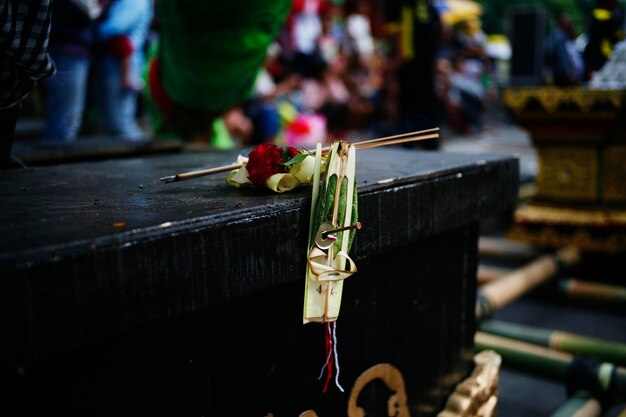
(24, 59)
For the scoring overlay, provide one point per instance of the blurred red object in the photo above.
(120, 46)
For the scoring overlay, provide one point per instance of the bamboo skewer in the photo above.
(395, 141)
(367, 144)
(200, 173)
(400, 136)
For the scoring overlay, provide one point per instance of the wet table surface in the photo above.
(48, 210)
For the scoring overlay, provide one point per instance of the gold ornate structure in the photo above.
(580, 137)
(477, 396)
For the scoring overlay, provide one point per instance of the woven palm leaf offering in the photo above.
(333, 223)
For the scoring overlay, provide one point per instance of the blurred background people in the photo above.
(470, 40)
(118, 66)
(416, 48)
(359, 31)
(467, 94)
(267, 94)
(24, 60)
(605, 30)
(336, 67)
(202, 66)
(305, 27)
(565, 62)
(72, 40)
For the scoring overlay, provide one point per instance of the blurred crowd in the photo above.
(336, 67)
(328, 73)
(332, 72)
(572, 59)
(98, 49)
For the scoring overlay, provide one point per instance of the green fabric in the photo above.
(210, 51)
(156, 118)
(221, 139)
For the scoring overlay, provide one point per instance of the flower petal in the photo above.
(282, 182)
(304, 170)
(238, 178)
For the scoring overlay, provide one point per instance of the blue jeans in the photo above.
(117, 105)
(65, 98)
(265, 119)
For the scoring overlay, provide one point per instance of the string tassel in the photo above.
(329, 353)
(332, 358)
(329, 365)
(336, 357)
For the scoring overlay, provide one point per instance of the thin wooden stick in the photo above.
(408, 135)
(367, 144)
(200, 173)
(395, 142)
(388, 140)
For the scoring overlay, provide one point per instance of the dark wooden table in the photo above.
(122, 295)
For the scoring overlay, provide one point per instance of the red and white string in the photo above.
(332, 358)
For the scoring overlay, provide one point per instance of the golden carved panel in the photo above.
(614, 174)
(597, 217)
(552, 98)
(597, 229)
(551, 237)
(567, 173)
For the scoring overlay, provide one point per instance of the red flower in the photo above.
(264, 161)
(292, 152)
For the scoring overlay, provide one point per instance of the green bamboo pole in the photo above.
(581, 404)
(562, 341)
(580, 289)
(498, 248)
(498, 293)
(487, 273)
(547, 363)
(531, 358)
